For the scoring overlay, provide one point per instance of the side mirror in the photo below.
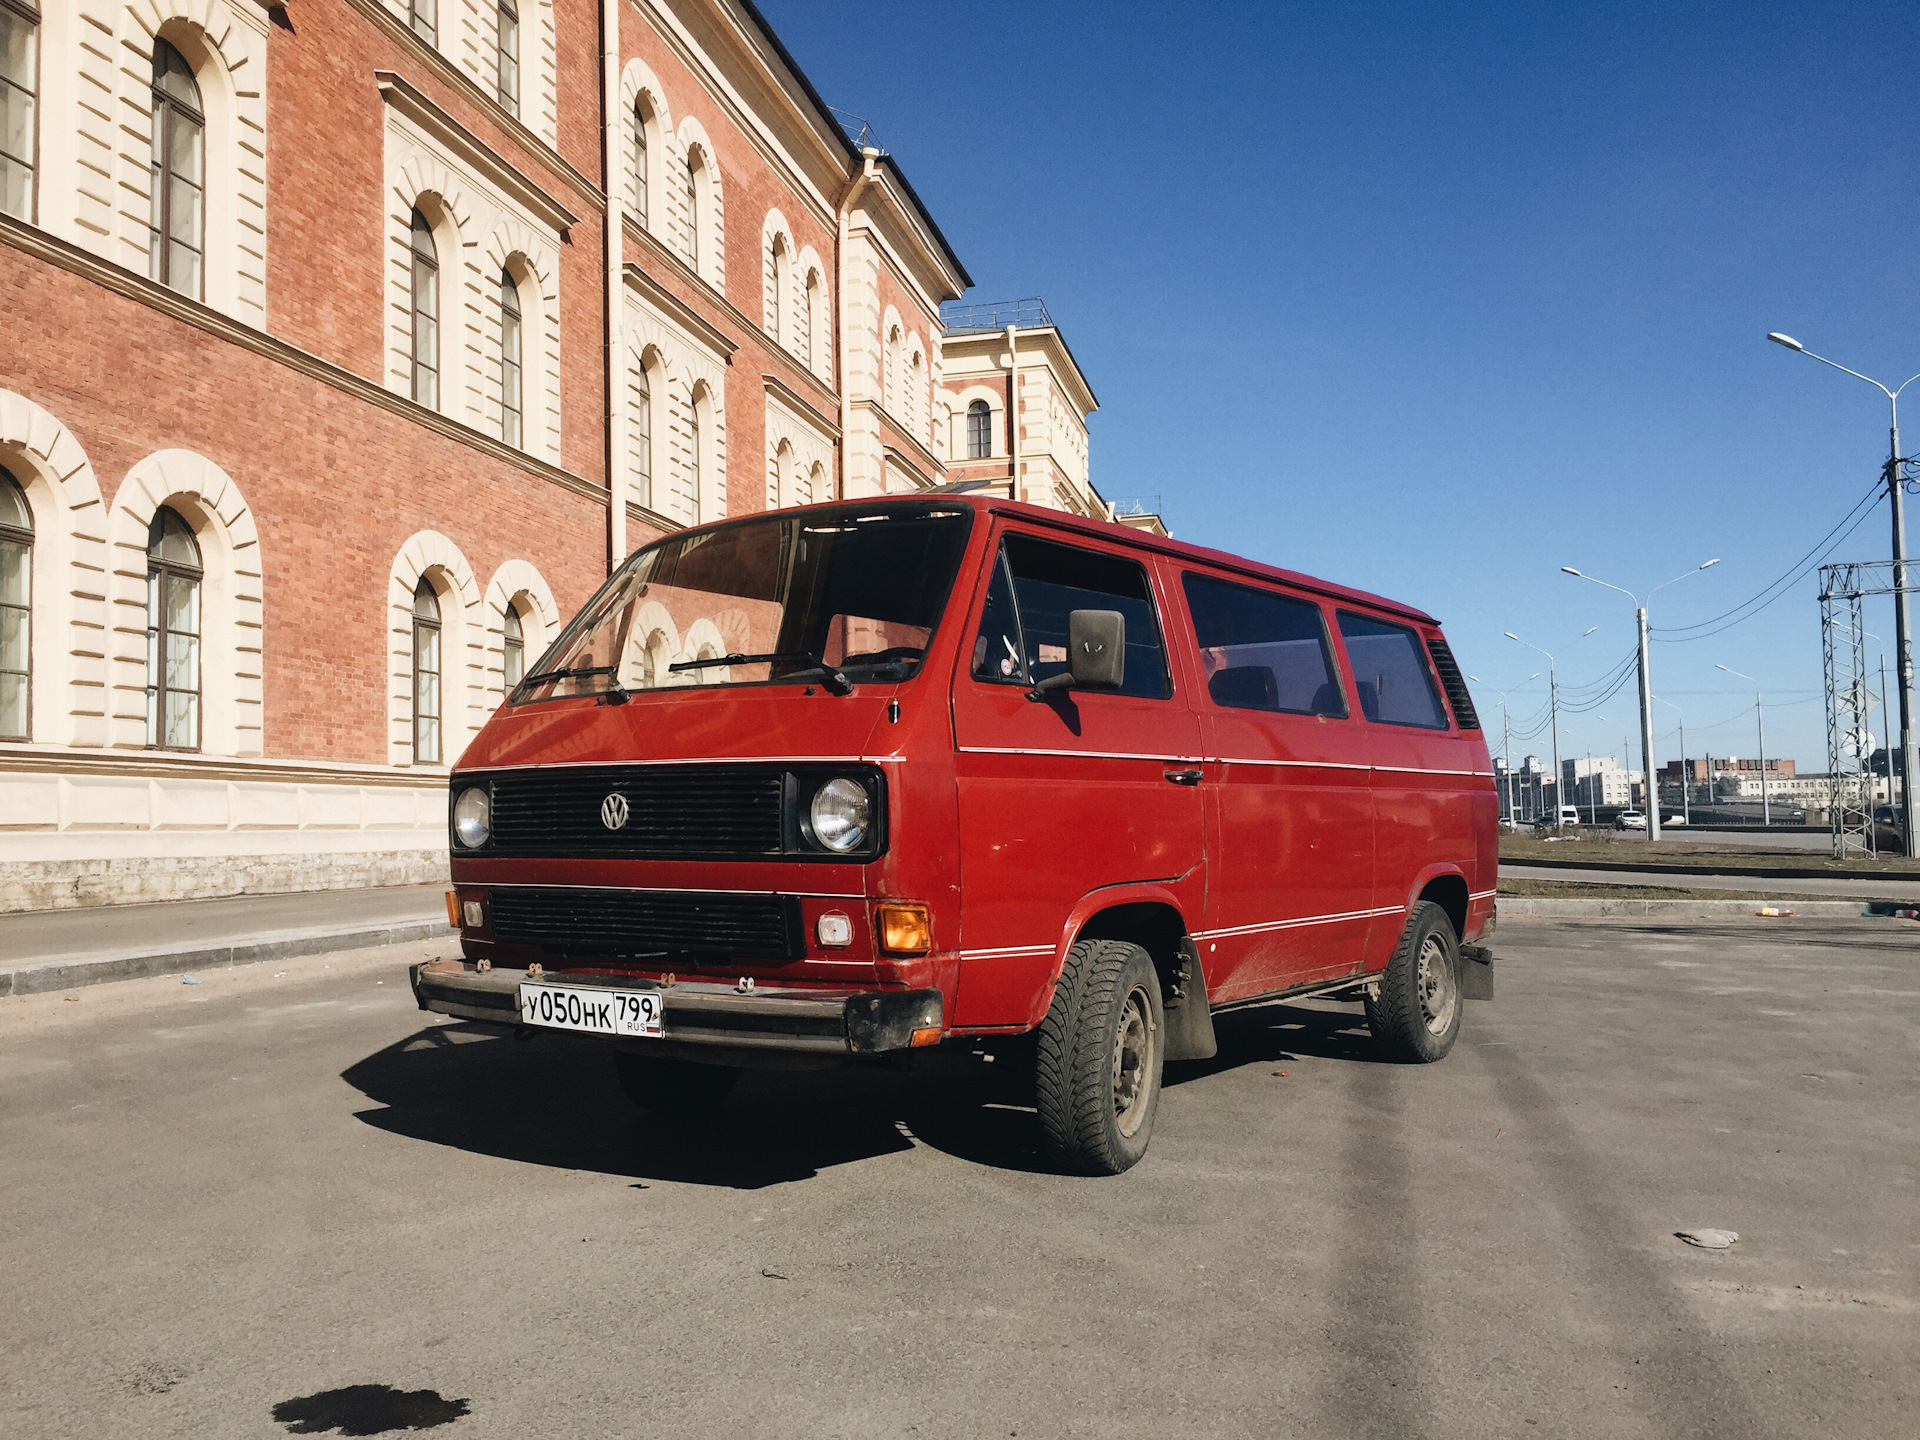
(1096, 654)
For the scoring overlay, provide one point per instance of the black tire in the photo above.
(672, 1088)
(1098, 1057)
(1417, 1014)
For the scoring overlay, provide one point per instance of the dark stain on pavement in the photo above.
(367, 1410)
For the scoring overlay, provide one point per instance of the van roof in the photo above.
(1180, 549)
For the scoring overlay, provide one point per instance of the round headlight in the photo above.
(841, 814)
(473, 816)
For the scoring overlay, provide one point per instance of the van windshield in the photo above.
(830, 597)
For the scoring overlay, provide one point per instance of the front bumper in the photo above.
(811, 1020)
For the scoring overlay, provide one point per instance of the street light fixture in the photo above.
(1506, 738)
(1760, 720)
(1646, 680)
(1902, 622)
(1553, 693)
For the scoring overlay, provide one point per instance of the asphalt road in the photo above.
(287, 1188)
(1889, 887)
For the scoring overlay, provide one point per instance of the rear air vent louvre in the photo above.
(1455, 684)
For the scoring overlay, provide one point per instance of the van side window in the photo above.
(1390, 674)
(1262, 651)
(1046, 583)
(997, 652)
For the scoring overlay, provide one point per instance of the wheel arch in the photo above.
(1148, 916)
(1445, 886)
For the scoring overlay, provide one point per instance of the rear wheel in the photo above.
(670, 1087)
(1098, 1058)
(1417, 1013)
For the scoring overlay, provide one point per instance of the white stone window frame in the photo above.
(957, 407)
(95, 116)
(893, 334)
(638, 83)
(679, 361)
(797, 445)
(815, 313)
(520, 584)
(916, 388)
(478, 231)
(467, 31)
(231, 604)
(68, 598)
(779, 311)
(709, 219)
(465, 638)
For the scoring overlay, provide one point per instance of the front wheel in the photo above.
(1416, 1016)
(1098, 1058)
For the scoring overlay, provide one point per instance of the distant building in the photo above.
(1598, 781)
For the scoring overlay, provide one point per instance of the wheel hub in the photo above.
(1133, 1062)
(1439, 986)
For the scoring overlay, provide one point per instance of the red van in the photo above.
(863, 777)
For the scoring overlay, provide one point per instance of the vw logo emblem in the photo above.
(613, 811)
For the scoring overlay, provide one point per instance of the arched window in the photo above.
(693, 211)
(177, 212)
(642, 437)
(426, 314)
(19, 82)
(510, 403)
(640, 164)
(810, 318)
(693, 458)
(16, 609)
(916, 388)
(979, 430)
(506, 40)
(891, 380)
(421, 15)
(777, 267)
(513, 650)
(426, 674)
(173, 633)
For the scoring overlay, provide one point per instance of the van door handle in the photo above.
(1183, 777)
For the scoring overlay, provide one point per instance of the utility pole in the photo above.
(1902, 619)
(1886, 729)
(1553, 692)
(1760, 720)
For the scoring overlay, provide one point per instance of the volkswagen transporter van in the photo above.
(862, 778)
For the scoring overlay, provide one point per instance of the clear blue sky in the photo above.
(1436, 299)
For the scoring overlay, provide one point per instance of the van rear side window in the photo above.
(1262, 651)
(1036, 585)
(1390, 673)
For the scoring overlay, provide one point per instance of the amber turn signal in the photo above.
(453, 908)
(905, 930)
(929, 1036)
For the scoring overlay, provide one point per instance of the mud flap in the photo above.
(1189, 1021)
(1476, 972)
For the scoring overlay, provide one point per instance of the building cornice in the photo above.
(109, 276)
(173, 765)
(679, 311)
(791, 399)
(403, 98)
(451, 74)
(916, 455)
(651, 517)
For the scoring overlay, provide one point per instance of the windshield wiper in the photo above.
(575, 673)
(832, 676)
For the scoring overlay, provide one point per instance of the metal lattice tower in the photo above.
(1850, 701)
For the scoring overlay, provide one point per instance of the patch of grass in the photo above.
(1617, 847)
(1586, 890)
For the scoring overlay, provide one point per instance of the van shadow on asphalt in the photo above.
(554, 1100)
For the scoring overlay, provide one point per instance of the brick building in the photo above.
(348, 342)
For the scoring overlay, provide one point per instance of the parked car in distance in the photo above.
(1674, 820)
(840, 783)
(1630, 820)
(1887, 829)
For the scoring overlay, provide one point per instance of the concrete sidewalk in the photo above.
(58, 949)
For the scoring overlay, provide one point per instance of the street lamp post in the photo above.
(1686, 806)
(1646, 680)
(1902, 623)
(1760, 720)
(1553, 693)
(1506, 740)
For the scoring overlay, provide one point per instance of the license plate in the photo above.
(598, 1012)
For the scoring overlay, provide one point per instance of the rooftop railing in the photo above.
(980, 317)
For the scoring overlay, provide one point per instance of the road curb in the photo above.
(1758, 872)
(70, 973)
(1547, 907)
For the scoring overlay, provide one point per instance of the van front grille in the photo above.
(670, 812)
(608, 923)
